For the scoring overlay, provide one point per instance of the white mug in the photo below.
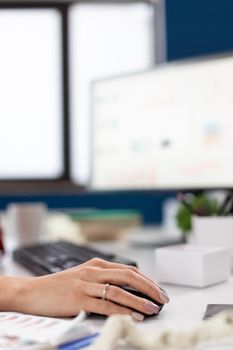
(24, 224)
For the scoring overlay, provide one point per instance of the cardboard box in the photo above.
(192, 265)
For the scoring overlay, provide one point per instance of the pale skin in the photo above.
(65, 293)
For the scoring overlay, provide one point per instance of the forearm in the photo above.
(13, 293)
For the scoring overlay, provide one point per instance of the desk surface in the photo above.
(186, 306)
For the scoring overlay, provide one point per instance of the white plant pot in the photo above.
(214, 231)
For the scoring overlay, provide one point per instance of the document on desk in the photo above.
(20, 331)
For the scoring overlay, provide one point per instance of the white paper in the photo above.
(17, 329)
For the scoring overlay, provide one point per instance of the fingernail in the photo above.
(152, 308)
(163, 296)
(161, 288)
(137, 316)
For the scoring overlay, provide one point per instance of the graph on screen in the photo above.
(167, 128)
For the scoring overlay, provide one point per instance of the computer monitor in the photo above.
(31, 91)
(168, 128)
(106, 38)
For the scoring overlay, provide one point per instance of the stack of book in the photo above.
(105, 224)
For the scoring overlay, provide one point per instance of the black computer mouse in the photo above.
(144, 296)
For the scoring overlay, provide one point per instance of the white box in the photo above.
(214, 231)
(192, 265)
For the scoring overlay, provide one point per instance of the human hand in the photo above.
(82, 288)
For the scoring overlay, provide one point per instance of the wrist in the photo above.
(15, 293)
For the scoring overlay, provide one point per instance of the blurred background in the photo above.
(99, 102)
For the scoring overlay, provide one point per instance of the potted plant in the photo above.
(207, 220)
(194, 206)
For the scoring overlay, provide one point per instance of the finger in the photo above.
(121, 297)
(107, 308)
(110, 265)
(97, 262)
(130, 278)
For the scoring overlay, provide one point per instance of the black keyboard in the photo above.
(48, 258)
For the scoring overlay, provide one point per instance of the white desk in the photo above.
(187, 305)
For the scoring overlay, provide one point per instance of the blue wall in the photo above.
(148, 203)
(198, 27)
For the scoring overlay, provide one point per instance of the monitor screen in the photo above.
(106, 38)
(169, 128)
(31, 107)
